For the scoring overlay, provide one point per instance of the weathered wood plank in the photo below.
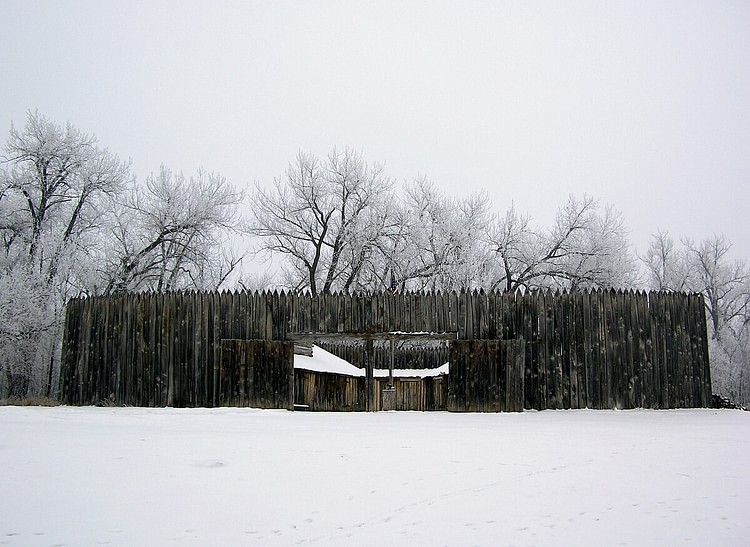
(565, 339)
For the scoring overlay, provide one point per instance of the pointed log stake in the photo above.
(390, 368)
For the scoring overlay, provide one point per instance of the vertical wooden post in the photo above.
(288, 350)
(390, 368)
(369, 383)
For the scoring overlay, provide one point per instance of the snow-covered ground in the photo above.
(134, 476)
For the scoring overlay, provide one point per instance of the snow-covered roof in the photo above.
(324, 361)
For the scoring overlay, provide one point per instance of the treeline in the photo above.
(74, 221)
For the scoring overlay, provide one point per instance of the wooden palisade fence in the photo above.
(603, 349)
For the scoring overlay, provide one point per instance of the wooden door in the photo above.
(486, 376)
(257, 373)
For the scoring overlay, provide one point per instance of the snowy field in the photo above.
(133, 476)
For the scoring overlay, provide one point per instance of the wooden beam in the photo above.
(364, 337)
(303, 349)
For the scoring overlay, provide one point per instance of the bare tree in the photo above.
(63, 184)
(725, 283)
(667, 268)
(721, 280)
(171, 234)
(517, 248)
(583, 249)
(599, 256)
(435, 240)
(323, 217)
(257, 281)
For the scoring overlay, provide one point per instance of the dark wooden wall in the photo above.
(605, 349)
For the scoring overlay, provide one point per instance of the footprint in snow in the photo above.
(212, 464)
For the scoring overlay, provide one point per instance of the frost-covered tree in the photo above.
(171, 233)
(722, 281)
(29, 326)
(599, 255)
(725, 284)
(324, 217)
(667, 268)
(583, 249)
(436, 242)
(56, 189)
(57, 184)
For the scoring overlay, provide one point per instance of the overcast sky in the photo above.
(644, 105)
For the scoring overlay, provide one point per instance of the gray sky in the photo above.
(644, 105)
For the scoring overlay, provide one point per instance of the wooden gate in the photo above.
(256, 373)
(486, 376)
